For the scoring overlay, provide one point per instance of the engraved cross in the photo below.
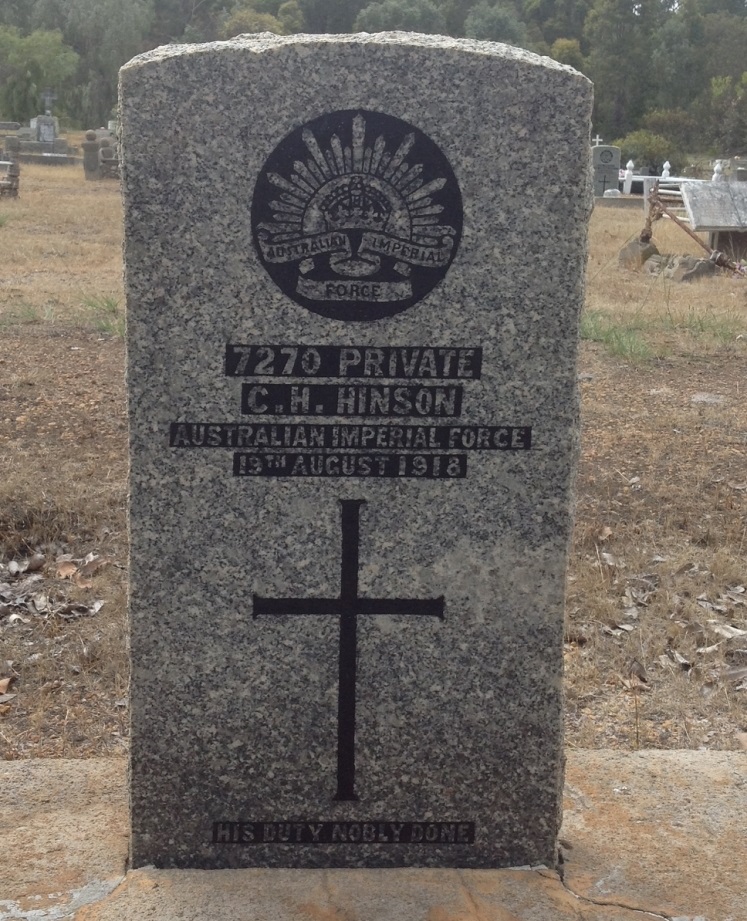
(348, 607)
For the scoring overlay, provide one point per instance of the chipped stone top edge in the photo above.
(261, 42)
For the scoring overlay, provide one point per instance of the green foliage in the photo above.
(291, 17)
(27, 65)
(106, 315)
(718, 327)
(404, 15)
(647, 150)
(495, 23)
(623, 340)
(331, 15)
(247, 20)
(726, 112)
(557, 19)
(677, 125)
(619, 34)
(282, 18)
(673, 69)
(568, 51)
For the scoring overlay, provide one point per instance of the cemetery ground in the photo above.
(656, 637)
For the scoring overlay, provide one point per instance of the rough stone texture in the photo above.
(458, 720)
(646, 835)
(635, 254)
(689, 268)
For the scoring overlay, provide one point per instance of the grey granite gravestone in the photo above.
(353, 295)
(606, 167)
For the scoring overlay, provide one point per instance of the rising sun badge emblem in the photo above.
(357, 215)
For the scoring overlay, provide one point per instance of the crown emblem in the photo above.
(355, 206)
(355, 197)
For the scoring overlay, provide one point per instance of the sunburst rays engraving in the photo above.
(357, 211)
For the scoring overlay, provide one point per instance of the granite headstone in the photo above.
(353, 297)
(606, 165)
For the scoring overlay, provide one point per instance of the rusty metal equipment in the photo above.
(657, 209)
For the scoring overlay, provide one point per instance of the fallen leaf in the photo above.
(726, 630)
(679, 659)
(35, 562)
(4, 684)
(735, 674)
(66, 569)
(637, 670)
(41, 602)
(89, 568)
(604, 534)
(4, 698)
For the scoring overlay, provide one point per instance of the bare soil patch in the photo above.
(656, 649)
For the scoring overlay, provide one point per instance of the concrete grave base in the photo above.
(656, 834)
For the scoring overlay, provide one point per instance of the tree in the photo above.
(291, 17)
(404, 15)
(16, 13)
(28, 64)
(647, 150)
(677, 125)
(676, 57)
(568, 51)
(556, 19)
(727, 115)
(247, 20)
(495, 23)
(736, 7)
(331, 16)
(619, 36)
(723, 46)
(106, 34)
(455, 12)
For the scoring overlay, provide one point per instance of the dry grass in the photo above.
(61, 247)
(660, 538)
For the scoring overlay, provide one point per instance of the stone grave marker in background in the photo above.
(91, 156)
(606, 167)
(720, 208)
(353, 298)
(46, 129)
